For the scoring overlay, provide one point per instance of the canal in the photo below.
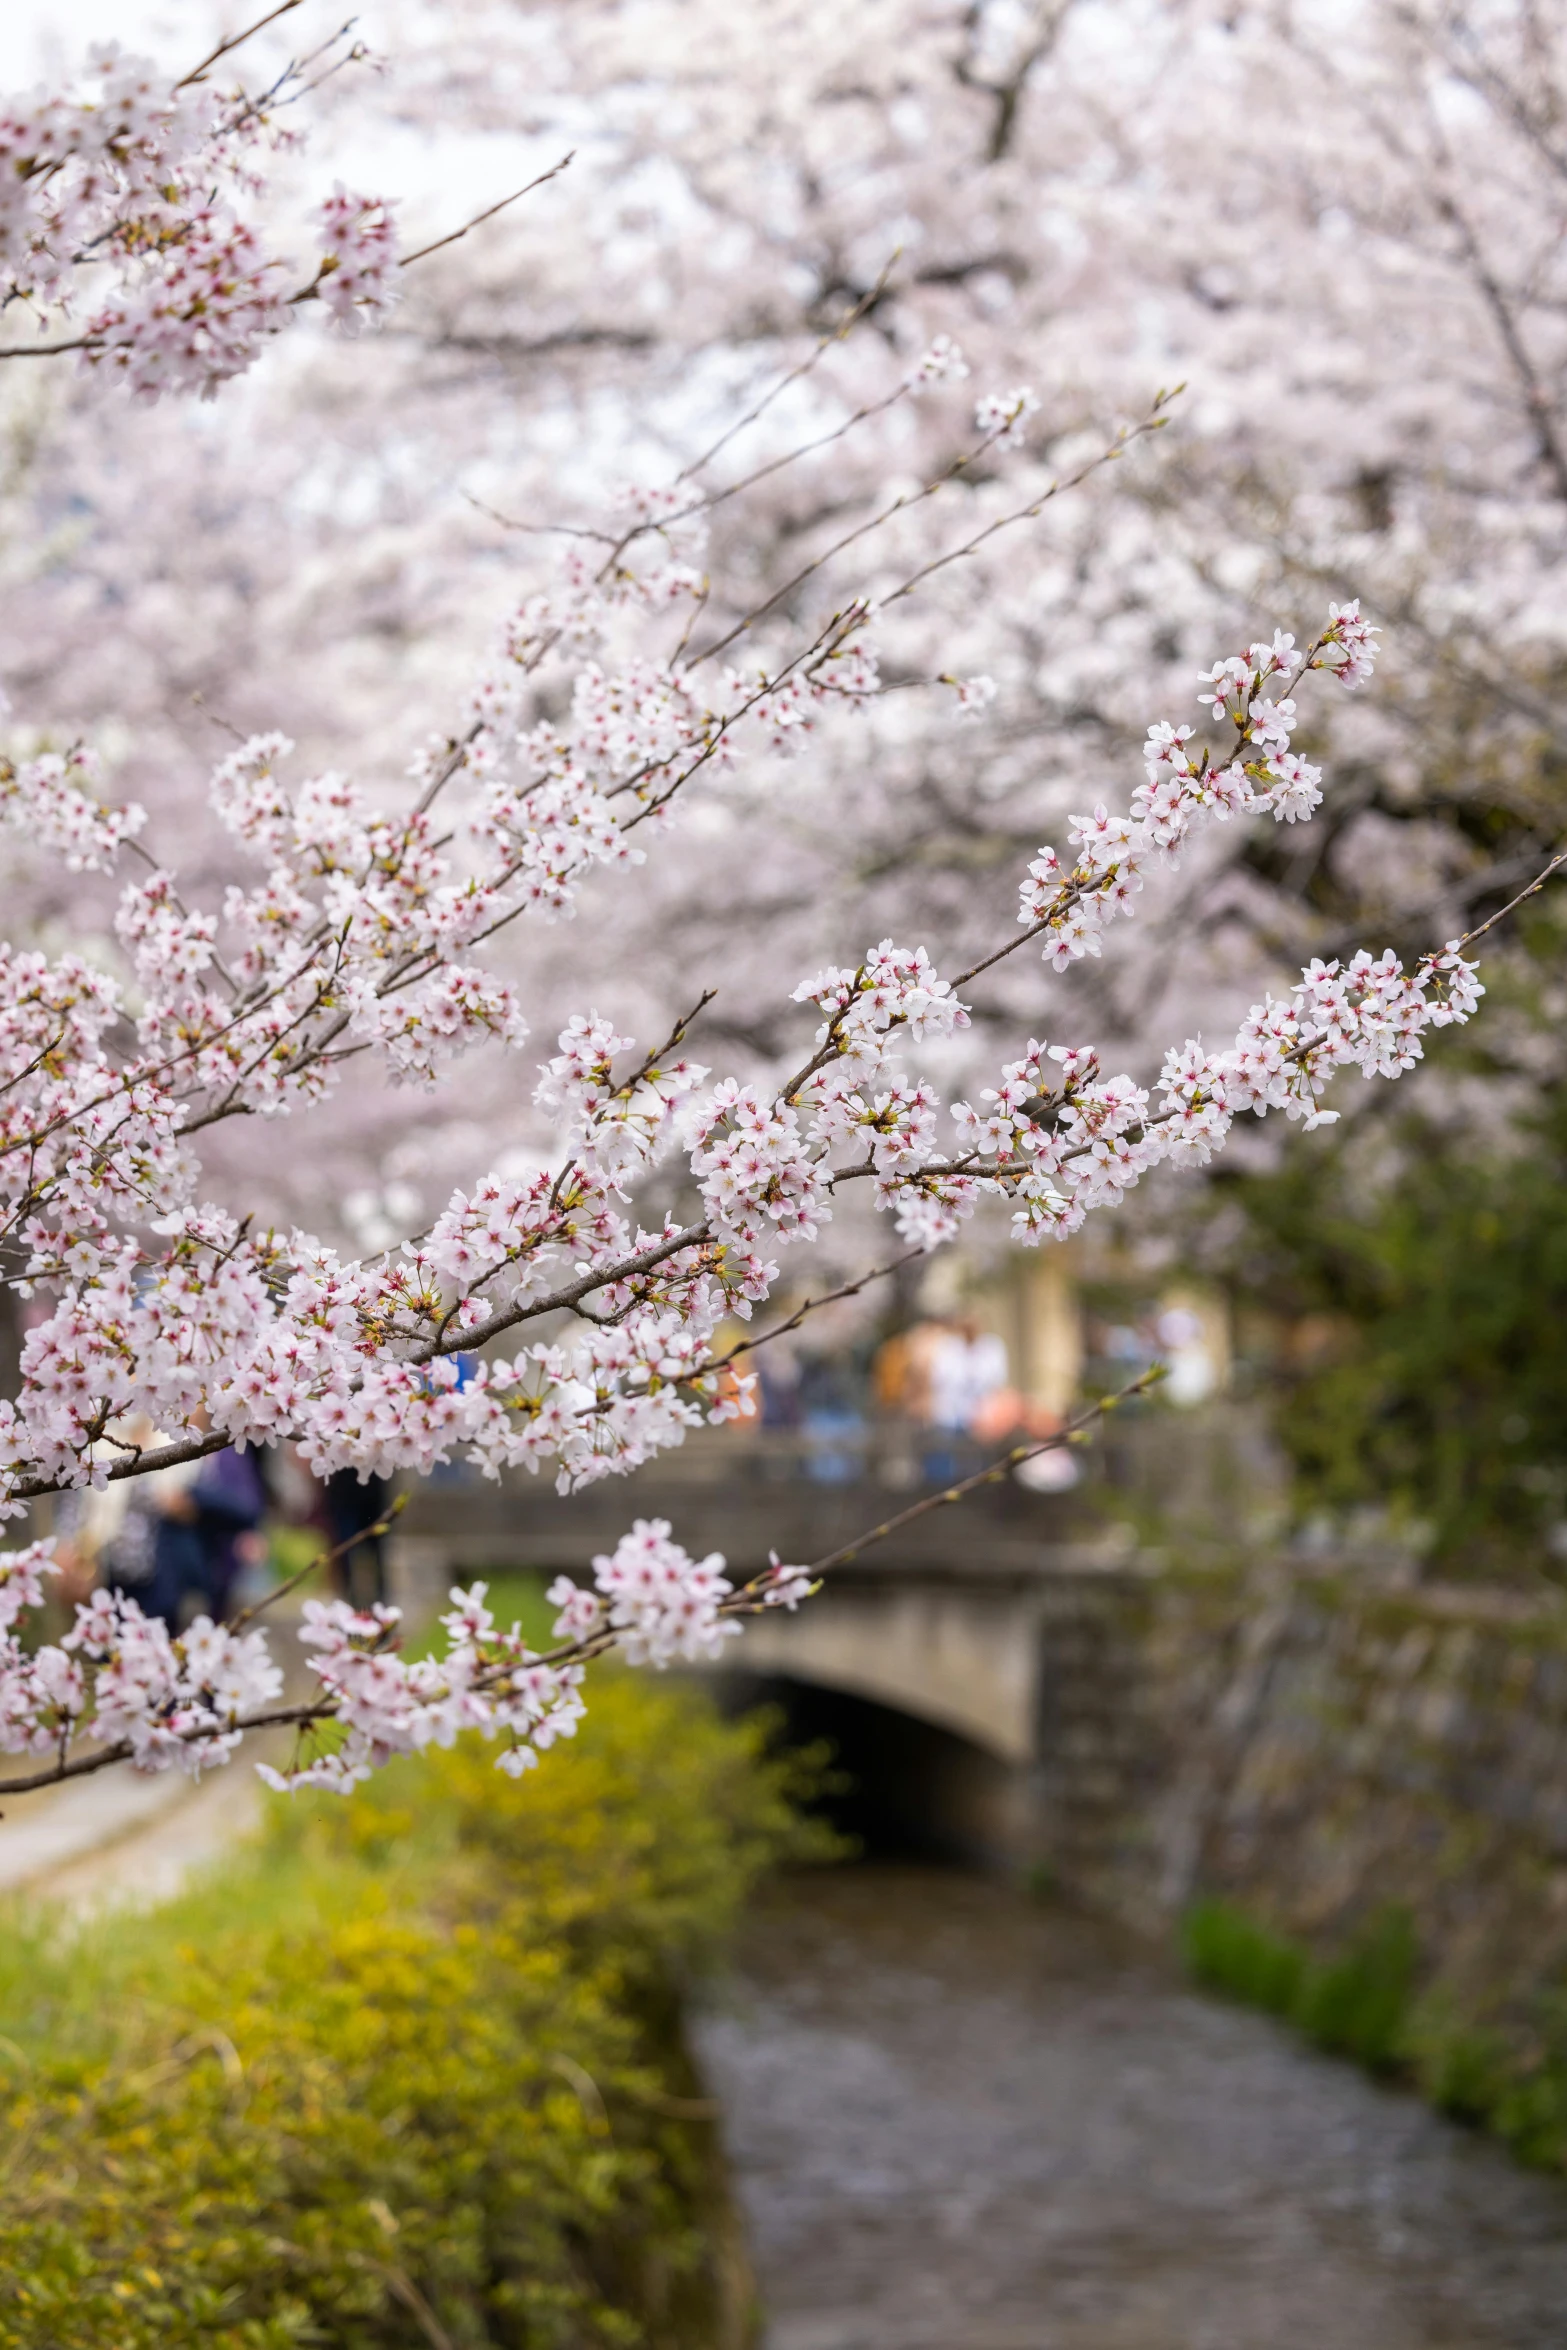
(962, 2119)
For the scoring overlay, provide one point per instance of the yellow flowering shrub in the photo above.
(409, 2074)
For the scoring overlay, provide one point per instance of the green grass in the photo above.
(1228, 1951)
(1359, 2004)
(1367, 2003)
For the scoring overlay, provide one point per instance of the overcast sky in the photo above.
(38, 35)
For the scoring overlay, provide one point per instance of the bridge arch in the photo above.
(963, 1660)
(901, 1785)
(993, 1651)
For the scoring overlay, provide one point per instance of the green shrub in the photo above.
(1463, 2071)
(1357, 2004)
(408, 2074)
(1530, 2103)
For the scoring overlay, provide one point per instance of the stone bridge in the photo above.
(964, 1670)
(1315, 1739)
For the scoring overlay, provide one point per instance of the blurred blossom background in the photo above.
(1339, 230)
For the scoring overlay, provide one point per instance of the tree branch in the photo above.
(479, 218)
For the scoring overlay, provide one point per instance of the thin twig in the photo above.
(559, 530)
(480, 218)
(49, 350)
(840, 333)
(414, 2301)
(323, 1558)
(237, 41)
(1537, 884)
(990, 1475)
(811, 1305)
(164, 1456)
(83, 1765)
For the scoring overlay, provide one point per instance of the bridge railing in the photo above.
(804, 1492)
(743, 1492)
(892, 1455)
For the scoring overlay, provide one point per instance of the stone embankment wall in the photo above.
(1315, 1748)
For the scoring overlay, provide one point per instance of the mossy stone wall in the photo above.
(1316, 1749)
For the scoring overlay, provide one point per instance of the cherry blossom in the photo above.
(57, 797)
(1256, 774)
(167, 1308)
(662, 1602)
(134, 202)
(1003, 416)
(354, 924)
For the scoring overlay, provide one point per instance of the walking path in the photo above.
(120, 1837)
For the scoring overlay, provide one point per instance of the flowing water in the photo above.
(961, 2120)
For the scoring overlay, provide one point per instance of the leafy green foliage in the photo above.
(411, 2073)
(1428, 1299)
(1526, 2101)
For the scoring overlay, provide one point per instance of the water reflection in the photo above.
(962, 2121)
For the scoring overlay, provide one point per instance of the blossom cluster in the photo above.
(663, 1603)
(171, 1704)
(1004, 416)
(357, 277)
(1256, 773)
(1061, 1141)
(57, 797)
(186, 1703)
(941, 362)
(134, 205)
(487, 1680)
(560, 796)
(360, 934)
(360, 928)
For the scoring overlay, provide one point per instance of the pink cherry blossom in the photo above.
(646, 668)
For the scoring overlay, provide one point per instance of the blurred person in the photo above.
(832, 1420)
(1055, 1471)
(1000, 1414)
(75, 1549)
(352, 1508)
(900, 1371)
(295, 1489)
(778, 1376)
(968, 1368)
(138, 1536)
(900, 1389)
(1006, 1411)
(1193, 1373)
(229, 1500)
